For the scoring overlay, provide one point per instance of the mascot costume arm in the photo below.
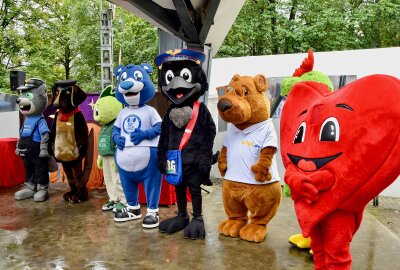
(118, 139)
(261, 168)
(205, 151)
(163, 144)
(222, 161)
(138, 135)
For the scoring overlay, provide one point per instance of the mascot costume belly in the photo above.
(247, 163)
(136, 132)
(340, 150)
(105, 112)
(69, 137)
(33, 142)
(182, 80)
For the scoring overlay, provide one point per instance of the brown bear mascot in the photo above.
(251, 180)
(69, 137)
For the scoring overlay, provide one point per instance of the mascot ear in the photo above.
(42, 90)
(235, 77)
(147, 67)
(78, 95)
(260, 82)
(118, 69)
(108, 91)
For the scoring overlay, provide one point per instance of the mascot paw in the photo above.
(44, 154)
(300, 242)
(80, 196)
(172, 225)
(195, 230)
(222, 166)
(261, 174)
(231, 227)
(253, 233)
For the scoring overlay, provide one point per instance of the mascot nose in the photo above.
(224, 105)
(126, 85)
(18, 100)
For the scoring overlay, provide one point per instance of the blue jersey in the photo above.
(29, 125)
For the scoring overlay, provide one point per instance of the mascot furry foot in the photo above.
(300, 242)
(42, 194)
(231, 227)
(80, 196)
(253, 233)
(68, 195)
(173, 225)
(195, 230)
(26, 193)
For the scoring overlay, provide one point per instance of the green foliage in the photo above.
(60, 39)
(289, 26)
(136, 40)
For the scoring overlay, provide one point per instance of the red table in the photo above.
(167, 196)
(12, 170)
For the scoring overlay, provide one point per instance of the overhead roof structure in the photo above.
(196, 22)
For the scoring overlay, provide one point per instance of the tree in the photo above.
(289, 26)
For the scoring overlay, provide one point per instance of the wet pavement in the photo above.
(59, 235)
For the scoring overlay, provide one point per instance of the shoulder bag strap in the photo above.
(190, 125)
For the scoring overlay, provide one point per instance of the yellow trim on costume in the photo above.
(248, 143)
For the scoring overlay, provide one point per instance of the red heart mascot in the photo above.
(340, 150)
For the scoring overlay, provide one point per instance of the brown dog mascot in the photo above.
(69, 137)
(251, 180)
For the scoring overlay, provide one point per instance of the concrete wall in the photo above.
(356, 62)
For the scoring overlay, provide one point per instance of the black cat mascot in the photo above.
(183, 81)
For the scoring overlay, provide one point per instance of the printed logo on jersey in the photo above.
(131, 122)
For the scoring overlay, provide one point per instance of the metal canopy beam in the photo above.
(212, 7)
(167, 18)
(186, 15)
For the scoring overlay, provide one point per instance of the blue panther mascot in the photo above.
(136, 133)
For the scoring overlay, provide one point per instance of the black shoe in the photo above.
(172, 225)
(127, 214)
(151, 220)
(195, 230)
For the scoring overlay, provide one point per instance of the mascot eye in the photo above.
(29, 95)
(330, 130)
(246, 91)
(137, 75)
(123, 76)
(186, 75)
(300, 133)
(169, 76)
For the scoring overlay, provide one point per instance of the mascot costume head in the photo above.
(105, 112)
(183, 81)
(69, 137)
(136, 132)
(134, 85)
(340, 150)
(33, 142)
(247, 163)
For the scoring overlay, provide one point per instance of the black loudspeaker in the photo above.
(17, 78)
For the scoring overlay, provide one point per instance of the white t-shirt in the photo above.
(142, 118)
(244, 148)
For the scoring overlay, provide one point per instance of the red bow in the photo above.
(64, 116)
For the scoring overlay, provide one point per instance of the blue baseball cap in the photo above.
(179, 55)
